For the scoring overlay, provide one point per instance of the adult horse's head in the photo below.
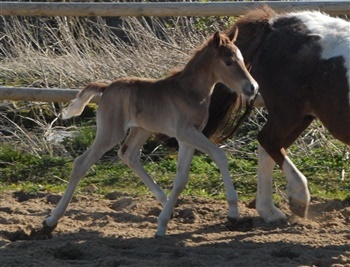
(229, 66)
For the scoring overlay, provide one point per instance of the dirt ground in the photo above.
(118, 230)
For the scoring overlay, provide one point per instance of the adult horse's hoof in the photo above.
(279, 222)
(298, 208)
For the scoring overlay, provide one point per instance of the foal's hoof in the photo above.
(232, 223)
(43, 233)
(298, 208)
(48, 229)
(159, 235)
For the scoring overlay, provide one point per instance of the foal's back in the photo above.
(155, 105)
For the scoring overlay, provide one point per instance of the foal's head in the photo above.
(229, 67)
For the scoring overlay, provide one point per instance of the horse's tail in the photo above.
(82, 99)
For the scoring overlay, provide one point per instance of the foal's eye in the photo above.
(228, 63)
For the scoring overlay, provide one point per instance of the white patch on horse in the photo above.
(297, 189)
(334, 33)
(239, 56)
(264, 200)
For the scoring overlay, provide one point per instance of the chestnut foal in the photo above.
(176, 106)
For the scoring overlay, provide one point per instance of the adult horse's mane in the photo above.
(224, 106)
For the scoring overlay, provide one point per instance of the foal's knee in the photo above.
(79, 169)
(121, 153)
(126, 155)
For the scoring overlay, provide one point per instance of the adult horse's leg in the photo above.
(297, 190)
(129, 153)
(264, 200)
(183, 169)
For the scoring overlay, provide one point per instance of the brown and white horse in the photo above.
(301, 61)
(176, 106)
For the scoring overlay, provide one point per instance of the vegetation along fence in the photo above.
(140, 9)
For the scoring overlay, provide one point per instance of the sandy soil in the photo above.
(118, 230)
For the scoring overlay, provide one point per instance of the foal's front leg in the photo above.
(197, 140)
(180, 181)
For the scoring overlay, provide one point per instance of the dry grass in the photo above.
(70, 52)
(77, 50)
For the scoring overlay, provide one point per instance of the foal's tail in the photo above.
(82, 99)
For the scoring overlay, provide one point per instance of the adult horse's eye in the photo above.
(228, 63)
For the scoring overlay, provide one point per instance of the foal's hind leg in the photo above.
(129, 153)
(103, 142)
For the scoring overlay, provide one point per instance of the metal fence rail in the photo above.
(140, 9)
(164, 9)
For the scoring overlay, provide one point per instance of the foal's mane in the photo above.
(176, 72)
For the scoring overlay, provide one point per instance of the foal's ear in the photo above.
(234, 38)
(217, 39)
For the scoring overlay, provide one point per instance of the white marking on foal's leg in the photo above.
(181, 178)
(297, 190)
(264, 201)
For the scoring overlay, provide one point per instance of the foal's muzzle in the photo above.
(250, 89)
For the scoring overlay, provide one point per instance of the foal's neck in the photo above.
(199, 74)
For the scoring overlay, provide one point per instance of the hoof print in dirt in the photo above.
(43, 233)
(186, 215)
(24, 234)
(22, 196)
(68, 252)
(15, 236)
(39, 234)
(240, 225)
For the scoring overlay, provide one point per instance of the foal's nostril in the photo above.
(252, 88)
